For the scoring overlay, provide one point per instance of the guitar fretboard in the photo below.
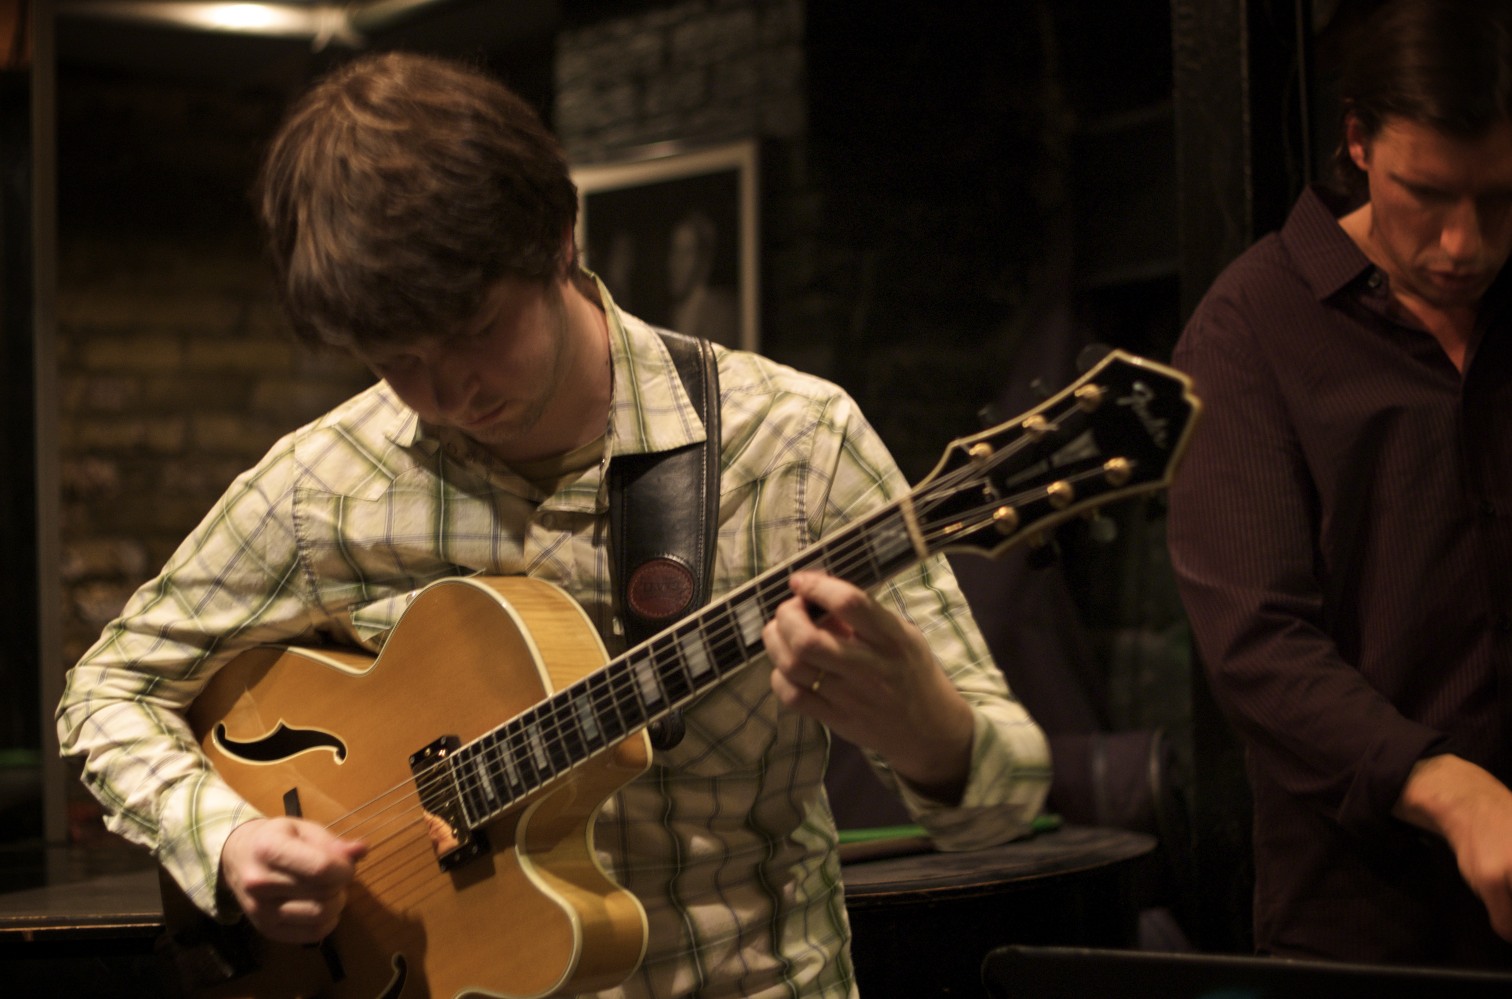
(1115, 432)
(664, 673)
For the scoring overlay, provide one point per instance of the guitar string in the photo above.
(556, 714)
(556, 717)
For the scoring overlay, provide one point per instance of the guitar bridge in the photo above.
(454, 842)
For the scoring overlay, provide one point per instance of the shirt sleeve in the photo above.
(1244, 518)
(1010, 757)
(233, 583)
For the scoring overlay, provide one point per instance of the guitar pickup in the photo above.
(453, 840)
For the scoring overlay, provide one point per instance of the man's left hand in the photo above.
(842, 658)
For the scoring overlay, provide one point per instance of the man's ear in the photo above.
(1356, 141)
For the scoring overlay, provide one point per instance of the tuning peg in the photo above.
(1101, 529)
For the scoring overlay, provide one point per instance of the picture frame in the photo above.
(673, 234)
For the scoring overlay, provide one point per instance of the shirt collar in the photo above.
(650, 410)
(407, 430)
(1328, 260)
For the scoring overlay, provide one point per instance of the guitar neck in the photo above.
(1117, 431)
(664, 673)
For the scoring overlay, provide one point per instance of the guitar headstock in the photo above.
(1117, 431)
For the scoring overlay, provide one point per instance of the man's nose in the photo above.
(1463, 235)
(453, 383)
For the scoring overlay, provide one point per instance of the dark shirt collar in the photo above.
(1325, 256)
(1329, 261)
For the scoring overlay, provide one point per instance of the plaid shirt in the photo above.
(728, 840)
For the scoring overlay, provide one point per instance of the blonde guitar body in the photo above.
(533, 914)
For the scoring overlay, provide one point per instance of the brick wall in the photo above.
(175, 372)
(914, 217)
(910, 163)
(928, 229)
(900, 146)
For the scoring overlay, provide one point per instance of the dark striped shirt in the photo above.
(1342, 533)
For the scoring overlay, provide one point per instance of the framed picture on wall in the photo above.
(673, 235)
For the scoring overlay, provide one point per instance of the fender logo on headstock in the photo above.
(1139, 399)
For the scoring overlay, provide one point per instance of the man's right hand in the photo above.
(290, 876)
(1472, 810)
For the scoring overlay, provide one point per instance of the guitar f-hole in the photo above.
(453, 840)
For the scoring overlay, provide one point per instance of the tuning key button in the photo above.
(1089, 397)
(1061, 494)
(1118, 471)
(1005, 519)
(1036, 427)
(1102, 530)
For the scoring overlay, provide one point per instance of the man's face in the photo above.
(496, 377)
(1440, 208)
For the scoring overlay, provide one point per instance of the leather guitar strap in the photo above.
(663, 512)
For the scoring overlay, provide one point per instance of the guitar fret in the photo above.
(519, 745)
(485, 775)
(672, 670)
(465, 790)
(625, 688)
(477, 799)
(568, 743)
(750, 619)
(537, 747)
(645, 679)
(725, 647)
(891, 547)
(771, 593)
(695, 652)
(512, 776)
(609, 706)
(587, 718)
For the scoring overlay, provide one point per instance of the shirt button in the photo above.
(1375, 280)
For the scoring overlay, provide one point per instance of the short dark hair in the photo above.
(399, 189)
(1446, 64)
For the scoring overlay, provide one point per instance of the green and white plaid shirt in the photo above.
(728, 840)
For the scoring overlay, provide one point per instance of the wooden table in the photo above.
(85, 933)
(923, 923)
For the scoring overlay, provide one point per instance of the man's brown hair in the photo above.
(1446, 64)
(399, 189)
